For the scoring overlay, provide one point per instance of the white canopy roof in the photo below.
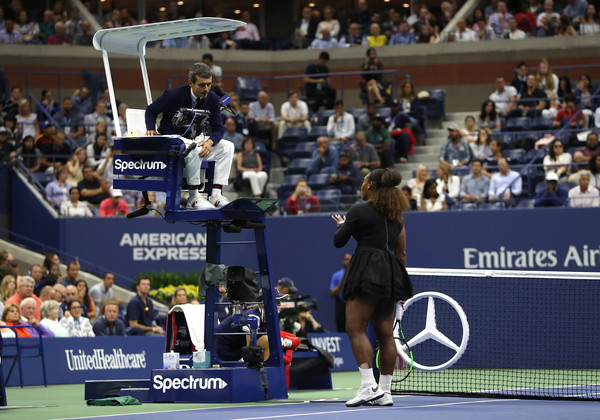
(132, 40)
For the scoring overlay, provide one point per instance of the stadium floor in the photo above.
(66, 402)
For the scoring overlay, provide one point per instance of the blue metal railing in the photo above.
(396, 74)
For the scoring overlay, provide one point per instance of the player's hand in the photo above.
(338, 219)
(205, 148)
(151, 133)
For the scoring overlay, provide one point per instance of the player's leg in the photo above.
(358, 314)
(383, 327)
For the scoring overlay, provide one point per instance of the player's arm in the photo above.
(401, 246)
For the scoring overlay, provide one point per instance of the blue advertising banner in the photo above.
(339, 346)
(215, 385)
(75, 360)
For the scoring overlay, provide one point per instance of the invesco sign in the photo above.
(121, 165)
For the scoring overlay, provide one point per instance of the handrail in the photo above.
(182, 78)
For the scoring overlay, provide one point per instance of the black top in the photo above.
(95, 184)
(370, 228)
(101, 327)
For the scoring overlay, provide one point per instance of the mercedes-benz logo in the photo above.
(431, 332)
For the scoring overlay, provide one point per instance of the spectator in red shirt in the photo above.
(564, 115)
(302, 200)
(114, 205)
(59, 37)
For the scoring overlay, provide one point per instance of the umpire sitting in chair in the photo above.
(210, 146)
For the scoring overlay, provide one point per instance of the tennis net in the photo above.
(529, 334)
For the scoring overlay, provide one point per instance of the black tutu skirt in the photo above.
(376, 273)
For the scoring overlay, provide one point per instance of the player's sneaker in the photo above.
(386, 400)
(199, 203)
(218, 200)
(364, 395)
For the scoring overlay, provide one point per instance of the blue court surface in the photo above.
(405, 407)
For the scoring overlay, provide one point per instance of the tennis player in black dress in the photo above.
(376, 278)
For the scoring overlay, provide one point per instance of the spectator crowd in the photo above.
(46, 303)
(318, 27)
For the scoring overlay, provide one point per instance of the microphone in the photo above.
(224, 98)
(141, 212)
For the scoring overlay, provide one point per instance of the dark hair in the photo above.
(48, 261)
(588, 77)
(71, 302)
(482, 114)
(426, 187)
(73, 188)
(522, 63)
(568, 88)
(388, 199)
(551, 148)
(97, 149)
(499, 143)
(369, 51)
(476, 160)
(338, 102)
(292, 92)
(85, 295)
(324, 55)
(199, 70)
(594, 169)
(478, 142)
(246, 140)
(29, 138)
(207, 56)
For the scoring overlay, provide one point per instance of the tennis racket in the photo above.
(404, 356)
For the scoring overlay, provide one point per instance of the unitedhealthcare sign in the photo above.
(75, 360)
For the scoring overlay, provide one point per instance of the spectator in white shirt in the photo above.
(294, 113)
(504, 183)
(583, 195)
(340, 126)
(464, 33)
(504, 96)
(513, 31)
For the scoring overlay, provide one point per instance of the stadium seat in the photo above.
(357, 112)
(43, 178)
(538, 155)
(541, 123)
(265, 156)
(247, 88)
(291, 137)
(329, 196)
(321, 116)
(434, 104)
(298, 166)
(316, 132)
(526, 203)
(27, 348)
(298, 133)
(384, 111)
(304, 150)
(516, 156)
(518, 124)
(318, 181)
